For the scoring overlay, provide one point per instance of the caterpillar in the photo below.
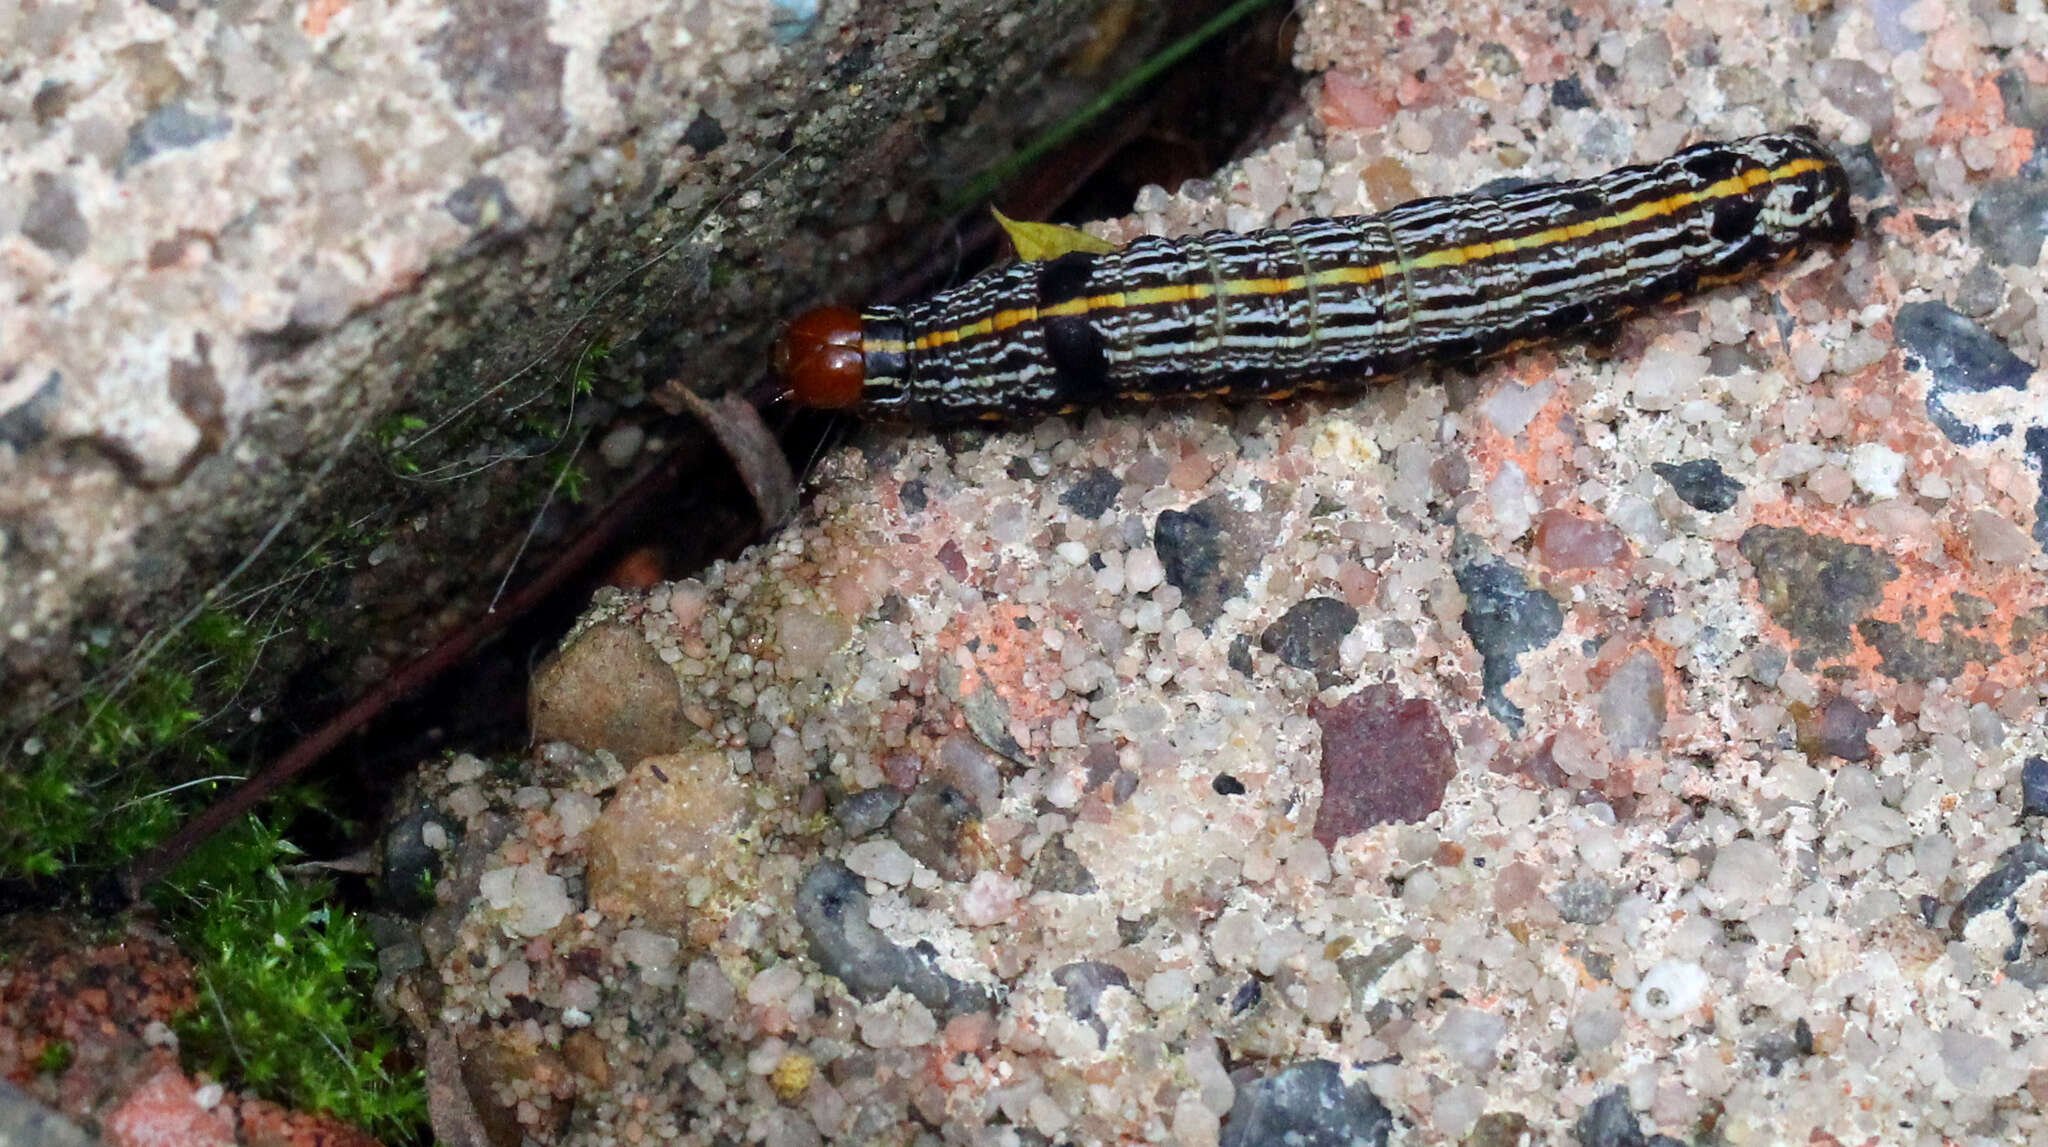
(1326, 302)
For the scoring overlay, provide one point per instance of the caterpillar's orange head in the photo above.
(820, 357)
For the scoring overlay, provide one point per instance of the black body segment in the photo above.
(1332, 302)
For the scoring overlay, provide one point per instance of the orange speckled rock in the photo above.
(608, 689)
(668, 838)
(266, 1124)
(163, 1112)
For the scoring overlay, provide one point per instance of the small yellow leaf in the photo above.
(1037, 242)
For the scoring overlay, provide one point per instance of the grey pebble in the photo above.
(2010, 219)
(863, 812)
(1306, 1105)
(1585, 901)
(2034, 787)
(1964, 359)
(1701, 484)
(1308, 635)
(1505, 617)
(832, 908)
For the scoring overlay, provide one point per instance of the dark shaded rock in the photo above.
(1093, 493)
(863, 812)
(1246, 997)
(483, 202)
(928, 827)
(1386, 758)
(1308, 634)
(2030, 630)
(1058, 868)
(28, 422)
(51, 220)
(1208, 550)
(1190, 547)
(1839, 728)
(1609, 1122)
(1569, 94)
(1225, 785)
(410, 867)
(2034, 787)
(2009, 220)
(1701, 484)
(1963, 357)
(1084, 983)
(169, 128)
(1362, 972)
(1505, 617)
(915, 495)
(704, 133)
(832, 908)
(1816, 587)
(2026, 103)
(1865, 170)
(1777, 1049)
(988, 717)
(1906, 656)
(2018, 864)
(1585, 901)
(1240, 655)
(1980, 292)
(1306, 1105)
(51, 102)
(1499, 1129)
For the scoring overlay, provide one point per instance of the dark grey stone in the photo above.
(1505, 617)
(1964, 359)
(1307, 1105)
(1701, 484)
(832, 908)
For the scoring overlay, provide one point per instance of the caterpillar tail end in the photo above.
(819, 356)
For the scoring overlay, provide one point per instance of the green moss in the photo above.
(107, 775)
(285, 980)
(285, 976)
(55, 1057)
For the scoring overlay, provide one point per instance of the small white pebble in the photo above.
(1669, 990)
(1142, 571)
(1167, 988)
(651, 952)
(707, 991)
(533, 899)
(619, 448)
(1877, 469)
(775, 986)
(1072, 553)
(991, 898)
(881, 860)
(574, 812)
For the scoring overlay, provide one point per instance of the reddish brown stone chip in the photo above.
(1385, 758)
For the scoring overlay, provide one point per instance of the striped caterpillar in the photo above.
(1325, 302)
